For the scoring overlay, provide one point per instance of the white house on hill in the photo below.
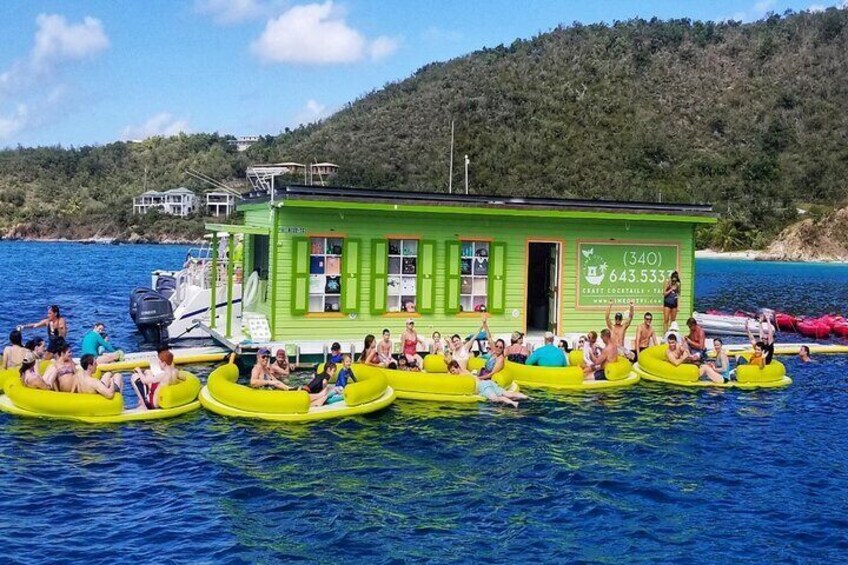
(176, 202)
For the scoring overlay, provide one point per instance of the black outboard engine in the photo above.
(152, 313)
(166, 285)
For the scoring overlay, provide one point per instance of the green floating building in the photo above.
(335, 264)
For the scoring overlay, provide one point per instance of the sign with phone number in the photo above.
(623, 272)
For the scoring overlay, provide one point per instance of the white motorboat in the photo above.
(177, 300)
(726, 324)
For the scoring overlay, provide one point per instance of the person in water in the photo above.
(516, 351)
(29, 373)
(488, 388)
(106, 386)
(57, 330)
(369, 351)
(696, 342)
(609, 354)
(676, 354)
(718, 370)
(618, 330)
(262, 374)
(804, 354)
(319, 387)
(280, 368)
(766, 337)
(645, 336)
(93, 341)
(149, 384)
(671, 297)
(13, 354)
(60, 376)
(549, 355)
(410, 342)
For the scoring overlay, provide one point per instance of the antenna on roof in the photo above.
(450, 174)
(467, 162)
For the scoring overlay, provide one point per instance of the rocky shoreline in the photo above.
(82, 234)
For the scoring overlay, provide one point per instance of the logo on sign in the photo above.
(594, 267)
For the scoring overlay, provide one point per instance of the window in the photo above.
(402, 282)
(474, 273)
(325, 274)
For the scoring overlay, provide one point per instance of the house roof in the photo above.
(440, 202)
(180, 190)
(151, 193)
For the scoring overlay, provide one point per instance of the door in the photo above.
(542, 286)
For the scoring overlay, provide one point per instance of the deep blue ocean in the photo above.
(647, 474)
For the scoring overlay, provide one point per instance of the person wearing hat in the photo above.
(549, 355)
(618, 330)
(261, 376)
(411, 341)
(516, 351)
(93, 341)
(29, 372)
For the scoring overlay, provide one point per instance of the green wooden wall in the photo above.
(367, 226)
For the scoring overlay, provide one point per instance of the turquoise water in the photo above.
(649, 474)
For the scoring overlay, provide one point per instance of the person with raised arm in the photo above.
(618, 330)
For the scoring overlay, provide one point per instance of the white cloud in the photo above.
(56, 41)
(32, 91)
(232, 11)
(317, 34)
(817, 8)
(382, 47)
(313, 111)
(162, 124)
(763, 6)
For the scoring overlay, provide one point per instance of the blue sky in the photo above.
(77, 73)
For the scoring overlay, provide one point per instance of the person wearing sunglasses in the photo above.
(261, 376)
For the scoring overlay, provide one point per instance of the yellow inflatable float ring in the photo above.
(174, 400)
(226, 397)
(653, 366)
(618, 375)
(435, 387)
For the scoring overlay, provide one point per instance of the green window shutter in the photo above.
(300, 281)
(350, 276)
(379, 275)
(452, 262)
(497, 278)
(426, 277)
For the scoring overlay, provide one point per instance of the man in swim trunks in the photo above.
(87, 383)
(384, 351)
(645, 336)
(676, 354)
(618, 330)
(696, 341)
(261, 376)
(609, 354)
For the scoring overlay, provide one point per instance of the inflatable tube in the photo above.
(250, 290)
(14, 373)
(142, 363)
(434, 387)
(652, 366)
(575, 357)
(224, 396)
(476, 363)
(435, 364)
(618, 375)
(93, 408)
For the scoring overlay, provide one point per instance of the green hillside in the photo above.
(752, 118)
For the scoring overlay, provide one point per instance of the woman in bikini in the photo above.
(147, 384)
(29, 375)
(61, 375)
(369, 352)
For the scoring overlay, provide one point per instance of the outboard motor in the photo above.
(166, 285)
(152, 313)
